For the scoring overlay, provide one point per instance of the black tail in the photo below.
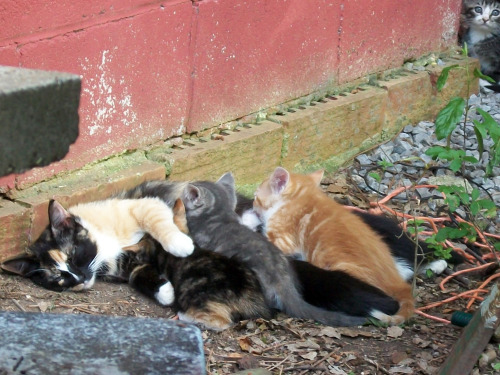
(293, 304)
(495, 87)
(339, 291)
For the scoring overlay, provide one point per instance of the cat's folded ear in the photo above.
(191, 196)
(22, 265)
(59, 218)
(279, 179)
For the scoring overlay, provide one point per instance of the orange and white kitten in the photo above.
(300, 219)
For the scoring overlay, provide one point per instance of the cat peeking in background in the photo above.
(480, 29)
(301, 220)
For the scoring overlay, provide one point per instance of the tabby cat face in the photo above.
(61, 258)
(482, 15)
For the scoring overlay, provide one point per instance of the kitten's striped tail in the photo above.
(406, 306)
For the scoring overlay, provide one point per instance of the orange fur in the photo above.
(300, 218)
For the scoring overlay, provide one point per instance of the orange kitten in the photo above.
(299, 218)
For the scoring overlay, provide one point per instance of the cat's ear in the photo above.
(227, 179)
(59, 218)
(191, 197)
(21, 265)
(279, 179)
(227, 182)
(317, 176)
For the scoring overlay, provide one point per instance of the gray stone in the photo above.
(363, 159)
(36, 343)
(38, 117)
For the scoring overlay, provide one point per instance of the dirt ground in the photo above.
(281, 345)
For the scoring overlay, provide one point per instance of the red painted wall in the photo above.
(154, 69)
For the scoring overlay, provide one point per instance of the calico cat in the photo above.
(89, 237)
(480, 29)
(300, 219)
(214, 225)
(214, 291)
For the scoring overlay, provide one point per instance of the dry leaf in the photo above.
(43, 306)
(395, 331)
(308, 344)
(245, 344)
(349, 332)
(400, 370)
(421, 343)
(397, 357)
(258, 341)
(330, 332)
(310, 355)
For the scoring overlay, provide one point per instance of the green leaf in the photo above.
(490, 124)
(375, 176)
(479, 135)
(455, 165)
(475, 194)
(443, 77)
(448, 118)
(478, 74)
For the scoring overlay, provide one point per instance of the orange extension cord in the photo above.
(435, 223)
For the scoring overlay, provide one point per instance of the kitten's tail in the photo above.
(294, 305)
(404, 296)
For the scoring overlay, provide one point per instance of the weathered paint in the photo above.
(152, 69)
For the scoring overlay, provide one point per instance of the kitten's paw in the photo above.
(165, 295)
(437, 267)
(180, 245)
(250, 219)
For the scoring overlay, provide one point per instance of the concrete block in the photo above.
(14, 228)
(89, 184)
(338, 126)
(409, 99)
(456, 85)
(38, 117)
(251, 154)
(99, 345)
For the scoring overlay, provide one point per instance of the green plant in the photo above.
(454, 114)
(450, 117)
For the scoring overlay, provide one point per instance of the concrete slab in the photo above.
(82, 344)
(38, 117)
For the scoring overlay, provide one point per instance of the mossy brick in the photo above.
(250, 154)
(38, 117)
(338, 125)
(14, 228)
(409, 99)
(456, 84)
(98, 181)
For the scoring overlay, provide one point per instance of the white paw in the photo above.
(165, 295)
(250, 220)
(180, 245)
(437, 267)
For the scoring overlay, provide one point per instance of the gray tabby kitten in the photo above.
(215, 226)
(480, 23)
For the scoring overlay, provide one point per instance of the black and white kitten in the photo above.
(480, 28)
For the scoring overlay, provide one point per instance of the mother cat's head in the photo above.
(61, 258)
